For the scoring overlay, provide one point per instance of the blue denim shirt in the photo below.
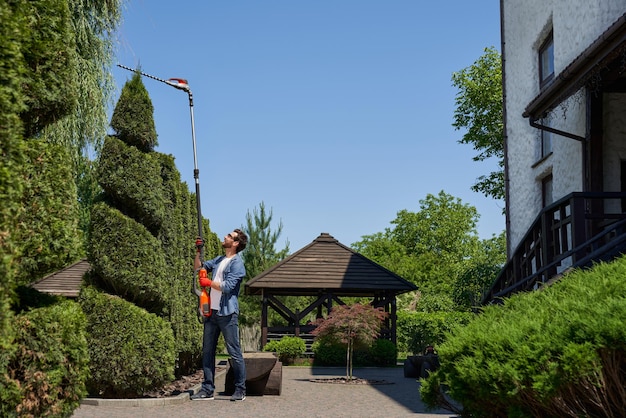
(231, 283)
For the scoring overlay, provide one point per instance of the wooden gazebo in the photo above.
(327, 270)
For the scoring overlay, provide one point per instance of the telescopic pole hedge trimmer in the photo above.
(204, 305)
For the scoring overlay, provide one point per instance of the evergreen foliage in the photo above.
(42, 44)
(328, 352)
(261, 254)
(131, 350)
(383, 352)
(556, 352)
(127, 258)
(49, 233)
(82, 130)
(132, 118)
(48, 372)
(143, 228)
(179, 229)
(132, 182)
(12, 183)
(49, 51)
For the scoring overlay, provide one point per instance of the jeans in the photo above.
(229, 327)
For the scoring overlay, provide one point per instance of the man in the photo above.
(228, 273)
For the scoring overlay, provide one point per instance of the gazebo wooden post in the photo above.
(297, 328)
(394, 316)
(329, 303)
(264, 313)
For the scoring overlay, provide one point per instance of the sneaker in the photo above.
(202, 395)
(239, 395)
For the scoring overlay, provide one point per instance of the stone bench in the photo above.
(264, 375)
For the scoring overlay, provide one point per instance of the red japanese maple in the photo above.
(351, 326)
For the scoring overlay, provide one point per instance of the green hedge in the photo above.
(132, 181)
(416, 330)
(327, 353)
(12, 183)
(177, 234)
(380, 353)
(556, 352)
(383, 353)
(50, 367)
(48, 48)
(154, 269)
(11, 186)
(127, 258)
(49, 234)
(131, 350)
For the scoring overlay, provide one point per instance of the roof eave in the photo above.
(589, 63)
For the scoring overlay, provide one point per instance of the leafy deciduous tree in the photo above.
(430, 248)
(479, 110)
(471, 284)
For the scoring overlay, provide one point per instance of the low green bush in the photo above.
(328, 353)
(556, 352)
(383, 353)
(288, 348)
(132, 351)
(47, 373)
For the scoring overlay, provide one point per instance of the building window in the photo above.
(546, 190)
(546, 60)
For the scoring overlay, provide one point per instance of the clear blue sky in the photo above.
(336, 114)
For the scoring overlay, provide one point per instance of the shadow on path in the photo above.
(299, 397)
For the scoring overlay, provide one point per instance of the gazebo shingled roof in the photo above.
(65, 282)
(326, 270)
(327, 264)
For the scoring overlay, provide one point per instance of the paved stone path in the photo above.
(300, 397)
